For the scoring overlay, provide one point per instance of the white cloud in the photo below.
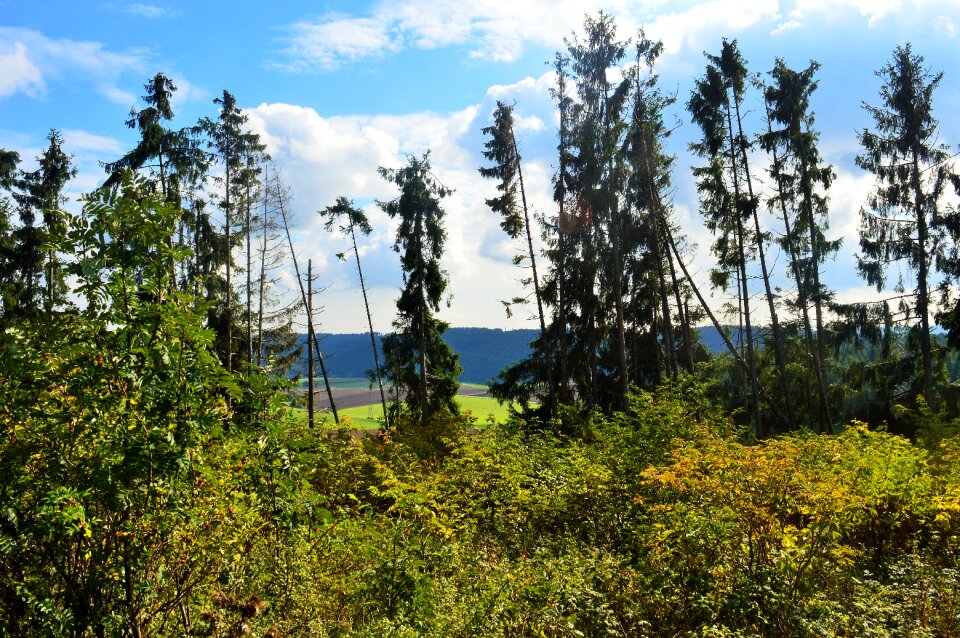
(18, 73)
(848, 193)
(117, 95)
(788, 25)
(186, 91)
(150, 11)
(945, 26)
(691, 29)
(75, 140)
(875, 12)
(36, 57)
(322, 158)
(326, 44)
(530, 123)
(500, 30)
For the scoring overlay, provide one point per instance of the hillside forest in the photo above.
(161, 475)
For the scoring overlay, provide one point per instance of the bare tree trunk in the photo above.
(263, 271)
(614, 228)
(719, 328)
(668, 339)
(303, 296)
(778, 348)
(812, 349)
(923, 299)
(247, 232)
(742, 253)
(421, 275)
(197, 275)
(229, 271)
(373, 339)
(311, 338)
(815, 275)
(536, 277)
(683, 313)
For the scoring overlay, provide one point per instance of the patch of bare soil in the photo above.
(356, 397)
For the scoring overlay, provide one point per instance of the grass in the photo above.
(364, 417)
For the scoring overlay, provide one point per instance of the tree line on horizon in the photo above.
(614, 300)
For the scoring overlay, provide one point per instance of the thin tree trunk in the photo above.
(263, 270)
(926, 351)
(719, 328)
(197, 276)
(562, 311)
(561, 238)
(303, 296)
(421, 276)
(614, 228)
(166, 198)
(814, 271)
(373, 339)
(311, 338)
(742, 253)
(683, 313)
(536, 278)
(229, 282)
(668, 339)
(591, 312)
(248, 232)
(778, 348)
(824, 405)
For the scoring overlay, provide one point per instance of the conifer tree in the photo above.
(801, 179)
(602, 102)
(8, 274)
(172, 156)
(649, 176)
(904, 219)
(40, 192)
(724, 209)
(502, 149)
(563, 184)
(232, 145)
(416, 356)
(344, 212)
(275, 342)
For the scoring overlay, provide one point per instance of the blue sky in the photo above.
(339, 88)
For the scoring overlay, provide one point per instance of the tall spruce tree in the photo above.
(904, 219)
(801, 180)
(172, 156)
(503, 151)
(232, 146)
(417, 358)
(603, 101)
(722, 204)
(9, 160)
(40, 193)
(650, 176)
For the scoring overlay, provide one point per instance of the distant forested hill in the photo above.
(483, 351)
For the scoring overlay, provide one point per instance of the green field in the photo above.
(365, 417)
